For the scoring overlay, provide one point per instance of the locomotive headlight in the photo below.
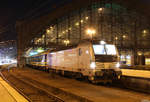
(118, 65)
(92, 65)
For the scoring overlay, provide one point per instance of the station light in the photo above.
(116, 38)
(86, 18)
(47, 30)
(39, 50)
(144, 31)
(77, 23)
(124, 36)
(66, 42)
(81, 21)
(66, 30)
(63, 32)
(100, 10)
(70, 28)
(51, 27)
(139, 53)
(90, 31)
(102, 42)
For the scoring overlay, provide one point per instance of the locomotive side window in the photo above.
(80, 51)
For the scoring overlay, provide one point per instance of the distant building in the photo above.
(113, 21)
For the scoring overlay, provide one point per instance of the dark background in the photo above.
(11, 10)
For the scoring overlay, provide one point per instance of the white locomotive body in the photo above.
(97, 62)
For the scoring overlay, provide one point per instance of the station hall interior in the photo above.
(114, 22)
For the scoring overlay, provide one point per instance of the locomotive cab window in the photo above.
(110, 49)
(99, 50)
(105, 53)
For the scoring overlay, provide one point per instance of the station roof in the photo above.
(141, 6)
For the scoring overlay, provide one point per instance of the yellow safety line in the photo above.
(18, 97)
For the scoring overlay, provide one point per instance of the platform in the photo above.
(9, 94)
(136, 73)
(95, 93)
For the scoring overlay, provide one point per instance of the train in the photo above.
(97, 62)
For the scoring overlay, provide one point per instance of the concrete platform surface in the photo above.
(9, 94)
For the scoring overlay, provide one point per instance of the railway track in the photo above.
(47, 83)
(31, 91)
(25, 84)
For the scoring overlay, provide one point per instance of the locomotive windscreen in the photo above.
(99, 50)
(104, 49)
(105, 53)
(110, 49)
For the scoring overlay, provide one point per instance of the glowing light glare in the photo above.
(140, 53)
(70, 28)
(90, 31)
(47, 30)
(52, 53)
(118, 65)
(128, 57)
(92, 65)
(77, 23)
(81, 21)
(39, 50)
(100, 9)
(8, 61)
(102, 42)
(66, 30)
(61, 52)
(87, 52)
(63, 32)
(144, 31)
(124, 36)
(66, 42)
(116, 38)
(51, 27)
(86, 18)
(14, 61)
(32, 53)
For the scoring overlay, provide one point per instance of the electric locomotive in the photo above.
(97, 62)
